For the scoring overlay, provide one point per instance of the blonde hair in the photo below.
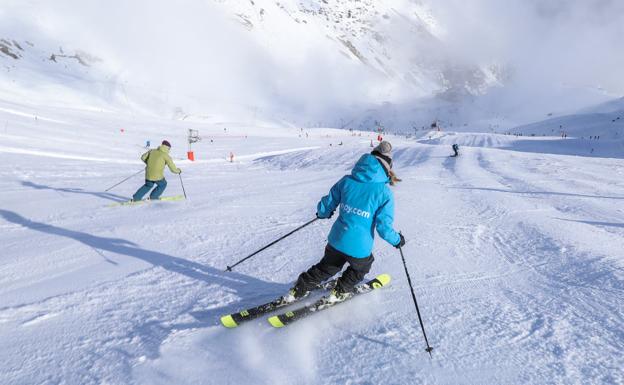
(394, 179)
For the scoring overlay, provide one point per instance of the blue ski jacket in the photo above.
(366, 203)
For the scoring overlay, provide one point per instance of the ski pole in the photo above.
(429, 348)
(183, 190)
(136, 173)
(229, 268)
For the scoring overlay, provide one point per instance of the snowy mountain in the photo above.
(358, 44)
(401, 40)
(360, 64)
(46, 74)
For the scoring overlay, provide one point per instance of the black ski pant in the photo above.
(332, 262)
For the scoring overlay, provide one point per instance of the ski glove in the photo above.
(320, 217)
(401, 241)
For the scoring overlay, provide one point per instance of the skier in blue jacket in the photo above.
(365, 203)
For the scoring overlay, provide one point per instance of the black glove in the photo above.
(401, 241)
(179, 171)
(320, 217)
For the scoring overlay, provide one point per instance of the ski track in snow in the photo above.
(515, 257)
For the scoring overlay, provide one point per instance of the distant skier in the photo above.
(455, 150)
(365, 203)
(154, 172)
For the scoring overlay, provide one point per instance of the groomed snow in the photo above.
(516, 259)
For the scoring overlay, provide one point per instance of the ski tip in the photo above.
(275, 322)
(228, 321)
(384, 279)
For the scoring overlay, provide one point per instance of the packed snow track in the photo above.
(516, 258)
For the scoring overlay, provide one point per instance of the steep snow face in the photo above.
(39, 72)
(400, 39)
(303, 61)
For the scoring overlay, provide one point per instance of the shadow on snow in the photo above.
(245, 286)
(537, 192)
(103, 195)
(594, 223)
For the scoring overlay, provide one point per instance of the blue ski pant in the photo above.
(155, 194)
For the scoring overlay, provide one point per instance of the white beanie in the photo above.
(384, 148)
(383, 153)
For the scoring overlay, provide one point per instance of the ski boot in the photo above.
(337, 295)
(294, 294)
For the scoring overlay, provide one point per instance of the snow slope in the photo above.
(606, 120)
(515, 256)
(596, 131)
(587, 146)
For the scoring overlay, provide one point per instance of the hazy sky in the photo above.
(578, 42)
(195, 48)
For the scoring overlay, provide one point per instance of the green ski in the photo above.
(235, 319)
(132, 203)
(288, 317)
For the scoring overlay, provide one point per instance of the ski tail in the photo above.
(228, 321)
(172, 198)
(235, 319)
(276, 322)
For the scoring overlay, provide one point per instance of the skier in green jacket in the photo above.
(154, 172)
